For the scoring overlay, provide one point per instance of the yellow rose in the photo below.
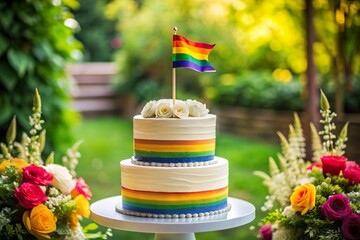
(303, 198)
(17, 162)
(83, 205)
(40, 221)
(73, 221)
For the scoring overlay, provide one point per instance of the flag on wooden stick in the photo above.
(189, 54)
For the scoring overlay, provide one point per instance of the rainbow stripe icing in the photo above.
(170, 140)
(174, 190)
(174, 203)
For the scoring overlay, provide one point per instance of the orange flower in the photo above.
(73, 221)
(83, 205)
(40, 222)
(17, 162)
(303, 198)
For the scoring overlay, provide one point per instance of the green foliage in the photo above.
(10, 229)
(314, 223)
(258, 36)
(241, 41)
(96, 33)
(8, 185)
(35, 44)
(256, 90)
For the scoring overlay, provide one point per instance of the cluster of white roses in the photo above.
(165, 108)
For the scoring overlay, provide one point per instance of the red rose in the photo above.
(81, 188)
(30, 195)
(352, 172)
(333, 164)
(37, 175)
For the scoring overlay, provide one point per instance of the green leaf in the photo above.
(8, 76)
(18, 60)
(3, 45)
(6, 18)
(324, 103)
(5, 111)
(343, 132)
(11, 133)
(50, 159)
(43, 51)
(91, 227)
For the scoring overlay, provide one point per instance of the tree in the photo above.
(97, 33)
(36, 42)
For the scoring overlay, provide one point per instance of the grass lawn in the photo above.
(106, 141)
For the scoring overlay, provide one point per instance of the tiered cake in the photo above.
(174, 171)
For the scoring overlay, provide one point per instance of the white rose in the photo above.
(288, 212)
(163, 109)
(181, 109)
(62, 178)
(149, 109)
(282, 234)
(197, 109)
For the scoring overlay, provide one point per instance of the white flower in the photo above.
(180, 109)
(149, 109)
(288, 212)
(197, 109)
(163, 109)
(62, 178)
(305, 180)
(282, 234)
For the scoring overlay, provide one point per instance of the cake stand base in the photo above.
(175, 236)
(104, 213)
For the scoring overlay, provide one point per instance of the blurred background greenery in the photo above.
(260, 53)
(260, 58)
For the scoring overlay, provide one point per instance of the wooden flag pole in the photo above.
(174, 85)
(174, 77)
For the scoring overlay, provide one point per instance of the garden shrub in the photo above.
(36, 42)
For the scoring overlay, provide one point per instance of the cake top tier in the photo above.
(191, 128)
(166, 108)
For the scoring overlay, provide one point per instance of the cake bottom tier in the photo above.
(174, 191)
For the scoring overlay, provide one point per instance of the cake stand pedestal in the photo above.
(104, 213)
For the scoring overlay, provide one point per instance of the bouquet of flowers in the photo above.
(318, 200)
(41, 200)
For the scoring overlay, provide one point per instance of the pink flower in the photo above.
(81, 188)
(333, 164)
(351, 227)
(37, 175)
(352, 172)
(265, 232)
(30, 195)
(337, 207)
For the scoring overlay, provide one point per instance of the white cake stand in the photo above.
(103, 212)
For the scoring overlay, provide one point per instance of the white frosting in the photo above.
(170, 179)
(195, 128)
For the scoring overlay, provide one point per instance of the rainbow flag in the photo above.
(190, 54)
